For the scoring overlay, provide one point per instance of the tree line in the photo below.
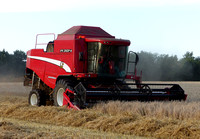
(162, 67)
(154, 67)
(12, 66)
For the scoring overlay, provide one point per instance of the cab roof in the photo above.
(84, 31)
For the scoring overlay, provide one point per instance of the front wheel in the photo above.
(58, 92)
(65, 94)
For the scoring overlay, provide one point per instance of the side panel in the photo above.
(49, 65)
(37, 66)
(80, 56)
(61, 67)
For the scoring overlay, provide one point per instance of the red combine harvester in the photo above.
(85, 65)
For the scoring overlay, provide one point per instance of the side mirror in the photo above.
(80, 56)
(136, 59)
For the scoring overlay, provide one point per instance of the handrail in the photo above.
(36, 43)
(135, 62)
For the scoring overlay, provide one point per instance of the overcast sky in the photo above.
(158, 26)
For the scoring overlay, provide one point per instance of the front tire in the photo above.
(60, 89)
(58, 92)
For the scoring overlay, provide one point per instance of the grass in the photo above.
(14, 128)
(105, 120)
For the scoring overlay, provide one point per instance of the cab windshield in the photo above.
(107, 60)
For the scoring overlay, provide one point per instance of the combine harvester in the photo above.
(85, 65)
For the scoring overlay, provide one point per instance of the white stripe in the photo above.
(52, 61)
(50, 77)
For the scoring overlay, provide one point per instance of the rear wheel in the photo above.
(36, 98)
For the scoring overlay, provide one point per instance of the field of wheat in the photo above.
(113, 119)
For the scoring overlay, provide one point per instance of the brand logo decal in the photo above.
(61, 64)
(66, 50)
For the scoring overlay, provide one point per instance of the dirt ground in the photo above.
(105, 120)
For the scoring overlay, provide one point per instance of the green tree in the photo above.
(168, 66)
(187, 65)
(148, 65)
(4, 57)
(19, 55)
(12, 65)
(19, 62)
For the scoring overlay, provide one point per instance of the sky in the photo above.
(157, 26)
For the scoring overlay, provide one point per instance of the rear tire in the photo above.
(36, 98)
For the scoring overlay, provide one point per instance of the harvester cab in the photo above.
(85, 65)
